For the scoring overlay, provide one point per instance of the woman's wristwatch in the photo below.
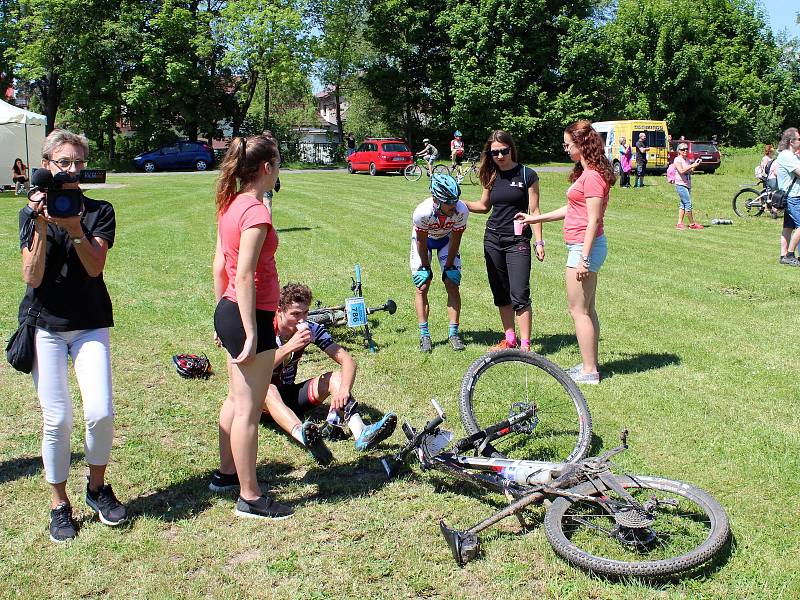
(585, 260)
(540, 242)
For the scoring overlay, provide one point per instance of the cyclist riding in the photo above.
(439, 223)
(457, 155)
(288, 401)
(430, 153)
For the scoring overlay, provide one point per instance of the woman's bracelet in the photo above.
(540, 242)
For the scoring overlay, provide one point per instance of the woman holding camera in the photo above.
(247, 292)
(62, 264)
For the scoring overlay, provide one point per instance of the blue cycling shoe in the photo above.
(377, 432)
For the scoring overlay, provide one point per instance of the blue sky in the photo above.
(782, 15)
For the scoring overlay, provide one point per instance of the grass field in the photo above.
(698, 350)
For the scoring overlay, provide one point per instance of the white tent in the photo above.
(21, 136)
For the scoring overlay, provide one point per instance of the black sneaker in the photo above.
(456, 342)
(312, 440)
(105, 504)
(63, 527)
(425, 344)
(263, 507)
(223, 482)
(790, 259)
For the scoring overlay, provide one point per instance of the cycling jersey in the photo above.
(285, 372)
(427, 218)
(431, 150)
(457, 145)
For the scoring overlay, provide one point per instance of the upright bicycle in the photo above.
(752, 202)
(619, 525)
(414, 171)
(468, 169)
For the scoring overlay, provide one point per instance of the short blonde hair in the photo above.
(60, 137)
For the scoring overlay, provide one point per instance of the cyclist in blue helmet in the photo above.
(439, 222)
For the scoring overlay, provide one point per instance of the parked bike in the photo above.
(751, 202)
(619, 525)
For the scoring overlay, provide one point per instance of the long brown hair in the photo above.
(592, 149)
(242, 162)
(768, 149)
(488, 170)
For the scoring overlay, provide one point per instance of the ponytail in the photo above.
(241, 164)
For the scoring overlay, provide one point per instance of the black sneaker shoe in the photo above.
(63, 527)
(790, 259)
(105, 504)
(223, 482)
(263, 507)
(456, 342)
(312, 440)
(425, 344)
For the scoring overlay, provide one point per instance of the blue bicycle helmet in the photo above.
(445, 188)
(457, 133)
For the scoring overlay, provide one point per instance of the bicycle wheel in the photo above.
(508, 382)
(473, 175)
(443, 169)
(412, 172)
(683, 528)
(748, 203)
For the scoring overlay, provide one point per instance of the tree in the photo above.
(341, 49)
(9, 41)
(263, 41)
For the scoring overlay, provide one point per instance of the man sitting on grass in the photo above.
(287, 401)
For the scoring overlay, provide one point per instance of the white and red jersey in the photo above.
(426, 218)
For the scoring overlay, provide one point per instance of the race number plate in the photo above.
(356, 312)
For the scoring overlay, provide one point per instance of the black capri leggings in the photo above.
(508, 265)
(229, 328)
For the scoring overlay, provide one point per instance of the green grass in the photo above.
(698, 348)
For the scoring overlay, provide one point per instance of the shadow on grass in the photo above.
(25, 466)
(546, 344)
(639, 363)
(294, 229)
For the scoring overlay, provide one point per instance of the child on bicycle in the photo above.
(439, 223)
(288, 401)
(457, 156)
(430, 153)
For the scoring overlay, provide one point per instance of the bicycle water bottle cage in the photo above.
(526, 425)
(464, 546)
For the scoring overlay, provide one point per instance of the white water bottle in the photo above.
(721, 222)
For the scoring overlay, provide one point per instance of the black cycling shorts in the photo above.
(230, 330)
(298, 397)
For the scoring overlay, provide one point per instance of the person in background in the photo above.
(63, 259)
(788, 168)
(641, 159)
(587, 200)
(457, 156)
(247, 291)
(430, 153)
(508, 188)
(351, 143)
(19, 176)
(683, 186)
(624, 163)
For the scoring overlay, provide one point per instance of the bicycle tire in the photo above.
(742, 203)
(442, 169)
(330, 317)
(495, 383)
(629, 559)
(473, 176)
(412, 172)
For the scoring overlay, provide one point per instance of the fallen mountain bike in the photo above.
(610, 523)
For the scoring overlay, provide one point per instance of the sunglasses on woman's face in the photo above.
(500, 152)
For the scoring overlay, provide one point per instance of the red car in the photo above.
(379, 155)
(705, 151)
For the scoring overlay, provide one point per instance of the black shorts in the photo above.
(19, 179)
(229, 328)
(299, 397)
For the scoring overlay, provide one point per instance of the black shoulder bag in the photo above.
(21, 348)
(779, 196)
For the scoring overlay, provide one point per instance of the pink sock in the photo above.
(511, 337)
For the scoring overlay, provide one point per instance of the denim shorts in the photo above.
(686, 197)
(596, 258)
(791, 216)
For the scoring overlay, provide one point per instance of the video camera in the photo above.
(60, 202)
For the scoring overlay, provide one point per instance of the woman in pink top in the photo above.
(247, 291)
(587, 199)
(683, 186)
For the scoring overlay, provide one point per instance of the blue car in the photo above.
(180, 155)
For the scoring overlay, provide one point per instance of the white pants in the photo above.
(89, 349)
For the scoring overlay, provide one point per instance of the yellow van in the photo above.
(657, 141)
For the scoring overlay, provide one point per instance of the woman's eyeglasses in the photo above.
(65, 163)
(500, 152)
